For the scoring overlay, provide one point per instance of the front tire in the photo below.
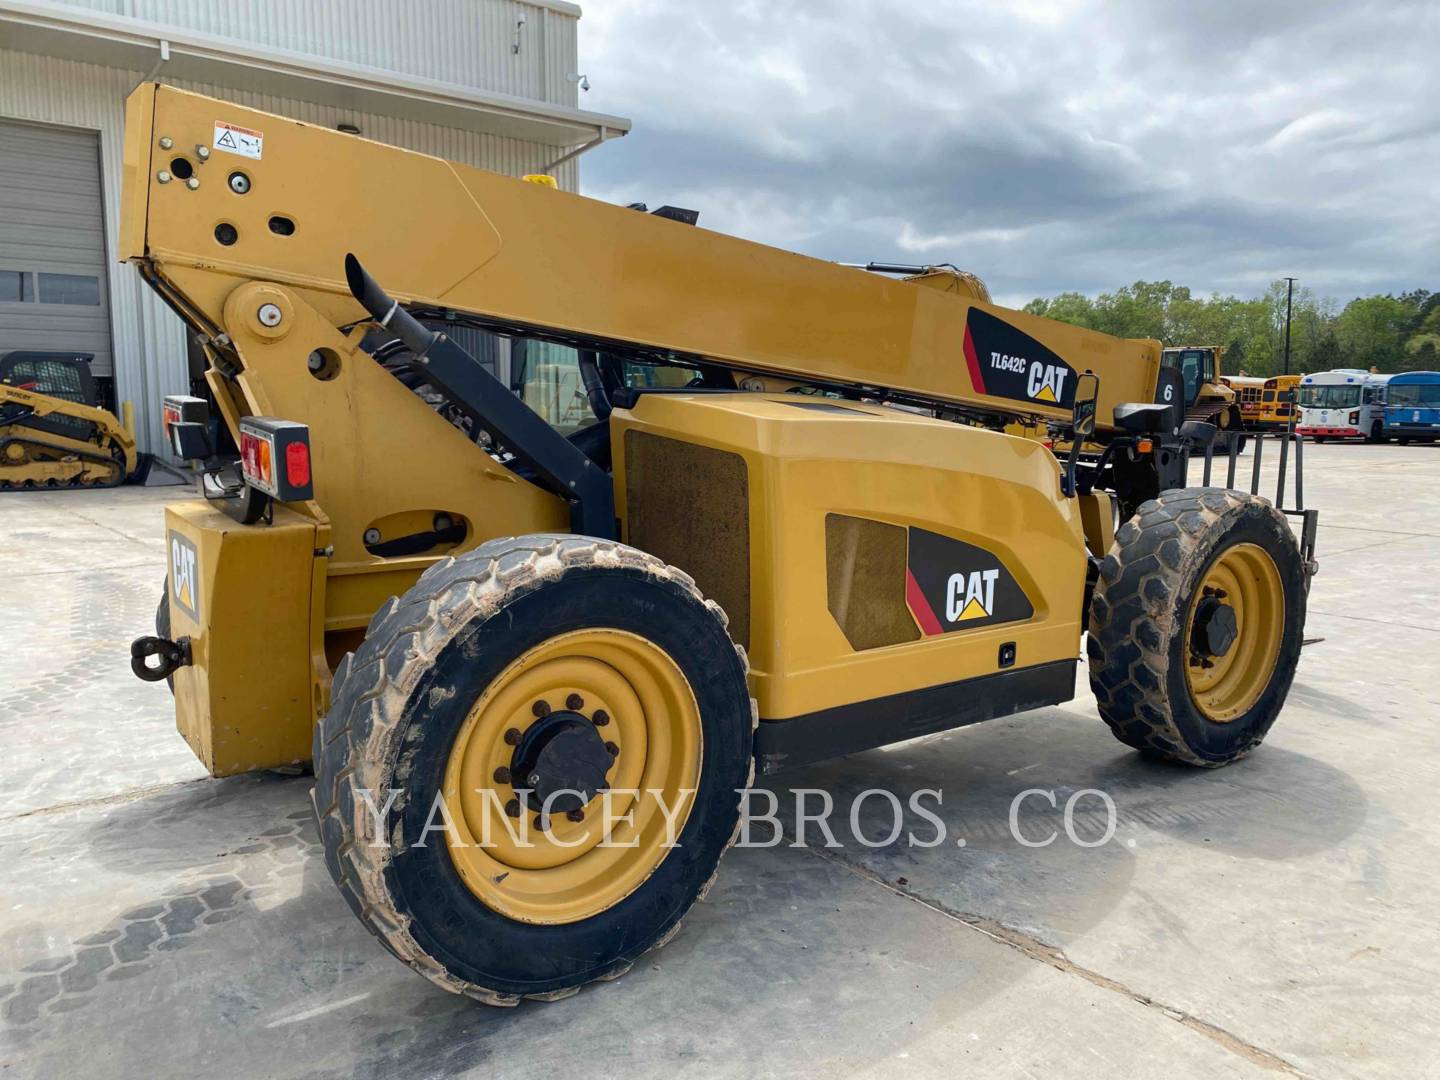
(490, 654)
(1174, 675)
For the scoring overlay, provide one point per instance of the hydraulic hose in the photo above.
(387, 312)
(594, 384)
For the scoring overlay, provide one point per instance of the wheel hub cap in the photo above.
(1215, 628)
(559, 755)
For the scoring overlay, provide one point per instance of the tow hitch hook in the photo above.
(172, 655)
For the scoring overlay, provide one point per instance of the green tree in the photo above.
(1392, 333)
(1423, 345)
(1372, 332)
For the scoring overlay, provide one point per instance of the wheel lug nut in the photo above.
(541, 708)
(601, 718)
(502, 775)
(512, 808)
(533, 779)
(575, 815)
(614, 750)
(513, 736)
(574, 703)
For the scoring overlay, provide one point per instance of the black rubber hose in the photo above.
(594, 384)
(387, 312)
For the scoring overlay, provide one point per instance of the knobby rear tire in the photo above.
(392, 719)
(1138, 631)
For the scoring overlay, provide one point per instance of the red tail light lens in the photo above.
(297, 464)
(257, 461)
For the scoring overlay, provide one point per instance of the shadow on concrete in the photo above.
(1322, 701)
(245, 930)
(1275, 804)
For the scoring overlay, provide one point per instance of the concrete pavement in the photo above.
(1274, 918)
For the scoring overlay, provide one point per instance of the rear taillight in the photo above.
(275, 458)
(256, 454)
(297, 464)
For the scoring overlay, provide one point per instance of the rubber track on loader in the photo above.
(8, 485)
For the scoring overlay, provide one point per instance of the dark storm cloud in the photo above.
(1046, 146)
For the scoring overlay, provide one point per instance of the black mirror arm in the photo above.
(1067, 481)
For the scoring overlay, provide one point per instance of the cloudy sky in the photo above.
(1045, 146)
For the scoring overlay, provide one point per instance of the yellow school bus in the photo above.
(1248, 390)
(1265, 404)
(1277, 401)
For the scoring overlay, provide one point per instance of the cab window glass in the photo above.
(547, 378)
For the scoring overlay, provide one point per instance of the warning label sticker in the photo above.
(238, 140)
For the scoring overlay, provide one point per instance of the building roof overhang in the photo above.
(163, 52)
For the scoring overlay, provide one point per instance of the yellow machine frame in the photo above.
(527, 258)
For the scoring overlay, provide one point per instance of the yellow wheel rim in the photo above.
(573, 869)
(1244, 578)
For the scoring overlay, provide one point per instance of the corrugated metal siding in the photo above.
(149, 343)
(466, 42)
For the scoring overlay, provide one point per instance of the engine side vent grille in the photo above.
(690, 505)
(865, 581)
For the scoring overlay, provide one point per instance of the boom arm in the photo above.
(533, 259)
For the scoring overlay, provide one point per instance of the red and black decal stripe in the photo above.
(1006, 362)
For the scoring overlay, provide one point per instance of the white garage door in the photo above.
(52, 243)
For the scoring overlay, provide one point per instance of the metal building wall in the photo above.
(149, 343)
(465, 42)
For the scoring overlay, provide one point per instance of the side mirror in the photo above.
(1082, 426)
(1087, 392)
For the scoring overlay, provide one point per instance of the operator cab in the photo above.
(1196, 367)
(61, 375)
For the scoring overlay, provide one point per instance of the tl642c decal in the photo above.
(1008, 363)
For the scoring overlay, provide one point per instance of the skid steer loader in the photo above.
(534, 669)
(53, 430)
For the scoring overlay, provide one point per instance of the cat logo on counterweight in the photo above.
(951, 585)
(185, 576)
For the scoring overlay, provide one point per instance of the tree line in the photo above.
(1385, 332)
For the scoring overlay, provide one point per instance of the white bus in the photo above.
(1347, 403)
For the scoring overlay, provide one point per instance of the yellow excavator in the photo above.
(536, 658)
(53, 430)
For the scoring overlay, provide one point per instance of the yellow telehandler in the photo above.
(536, 660)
